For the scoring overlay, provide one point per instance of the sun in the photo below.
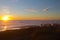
(6, 18)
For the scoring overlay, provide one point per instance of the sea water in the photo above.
(20, 23)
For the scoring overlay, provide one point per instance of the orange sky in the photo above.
(29, 18)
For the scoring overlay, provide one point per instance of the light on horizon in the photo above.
(6, 18)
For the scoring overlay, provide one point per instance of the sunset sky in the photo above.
(31, 9)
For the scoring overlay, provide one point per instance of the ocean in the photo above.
(20, 23)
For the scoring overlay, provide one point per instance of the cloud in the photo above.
(31, 10)
(5, 10)
(45, 10)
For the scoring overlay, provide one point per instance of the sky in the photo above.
(31, 9)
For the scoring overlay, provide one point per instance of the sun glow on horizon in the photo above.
(6, 18)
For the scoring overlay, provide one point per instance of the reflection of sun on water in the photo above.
(4, 28)
(5, 19)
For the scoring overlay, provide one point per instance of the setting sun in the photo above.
(6, 18)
